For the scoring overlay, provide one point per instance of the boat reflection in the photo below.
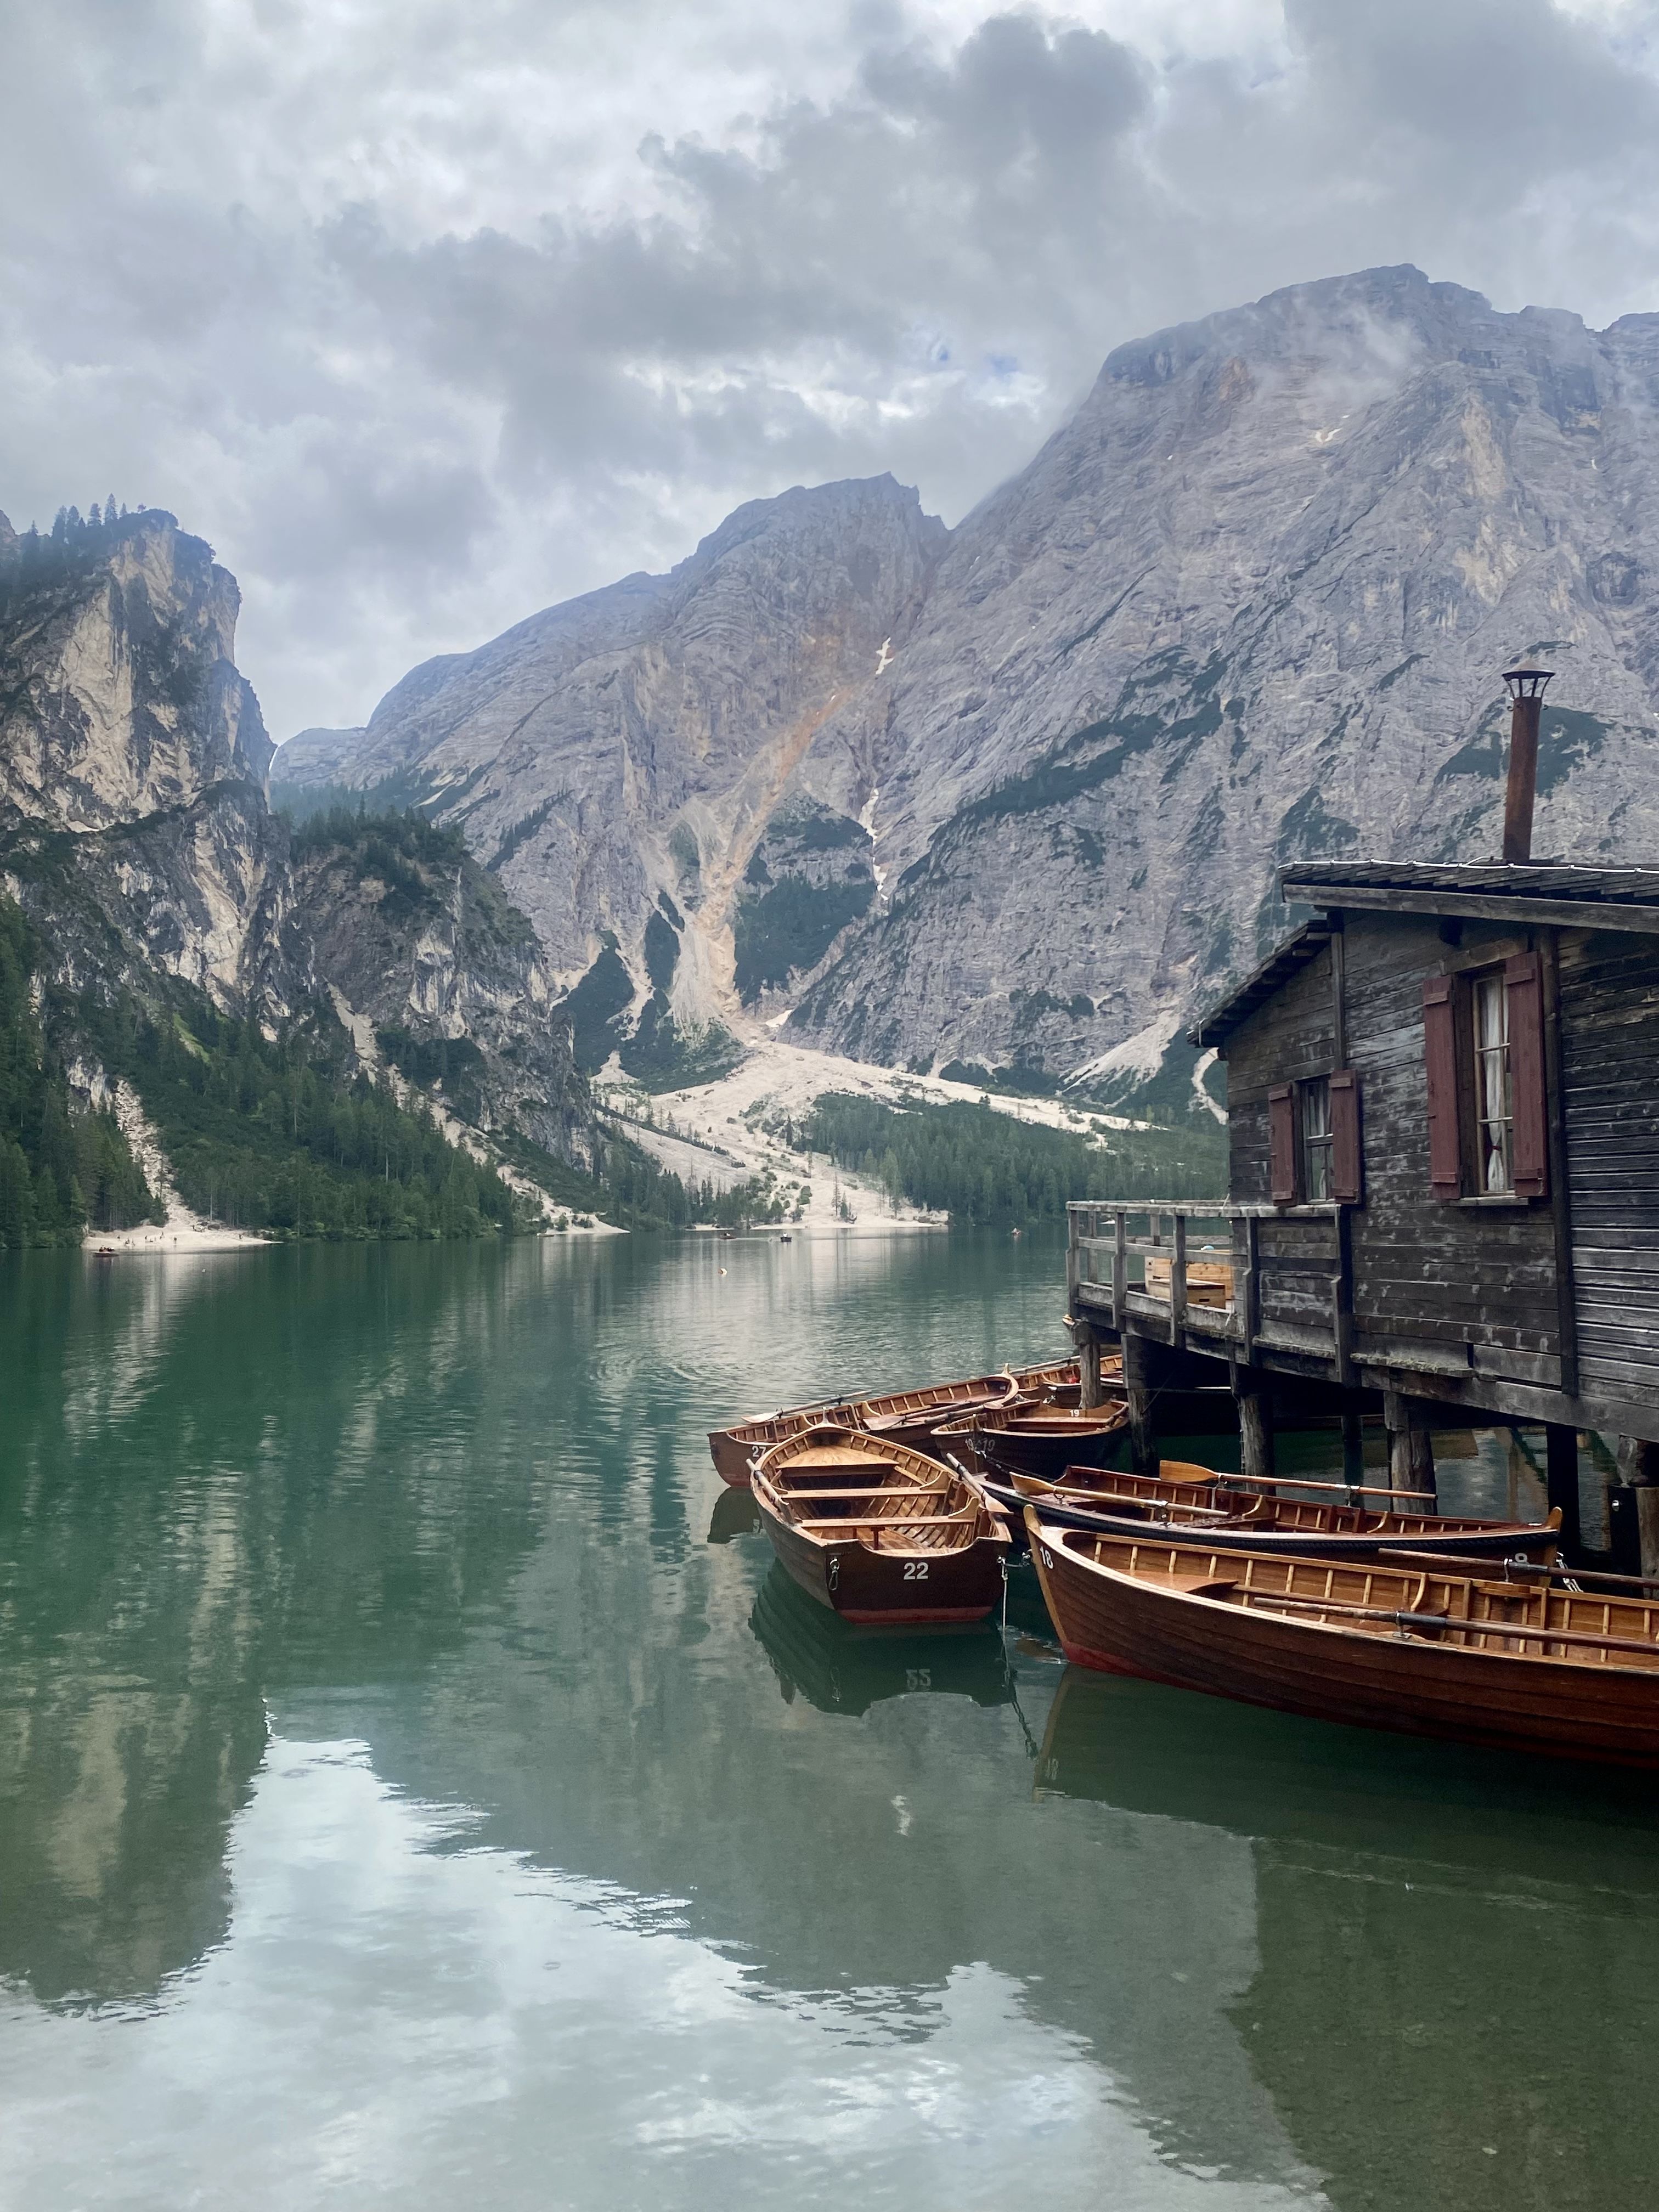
(735, 1514)
(1266, 1775)
(843, 1669)
(1392, 1880)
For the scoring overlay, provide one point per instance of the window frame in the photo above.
(1452, 1001)
(1315, 1149)
(1482, 987)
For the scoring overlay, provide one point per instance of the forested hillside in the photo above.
(979, 1165)
(63, 1167)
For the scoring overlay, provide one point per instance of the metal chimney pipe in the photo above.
(1526, 688)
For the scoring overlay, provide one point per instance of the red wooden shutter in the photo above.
(1282, 1142)
(1440, 1059)
(1524, 987)
(1347, 1187)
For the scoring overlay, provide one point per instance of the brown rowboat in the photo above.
(1062, 1384)
(1185, 1502)
(1045, 1440)
(1388, 1645)
(877, 1532)
(909, 1416)
(733, 1449)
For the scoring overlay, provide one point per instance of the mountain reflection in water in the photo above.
(414, 1778)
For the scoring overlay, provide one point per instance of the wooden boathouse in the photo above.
(1443, 1138)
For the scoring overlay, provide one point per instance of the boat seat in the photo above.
(914, 1491)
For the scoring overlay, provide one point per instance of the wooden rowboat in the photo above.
(733, 1449)
(1186, 1502)
(1414, 1649)
(1010, 1494)
(1045, 1440)
(1062, 1384)
(877, 1533)
(909, 1416)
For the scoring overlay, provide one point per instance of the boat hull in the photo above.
(1002, 1453)
(1500, 1543)
(1506, 1701)
(733, 1449)
(865, 1587)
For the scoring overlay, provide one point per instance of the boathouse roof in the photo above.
(1535, 890)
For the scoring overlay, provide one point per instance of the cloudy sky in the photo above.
(429, 312)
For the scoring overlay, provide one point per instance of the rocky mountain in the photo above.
(435, 973)
(161, 893)
(1015, 794)
(643, 767)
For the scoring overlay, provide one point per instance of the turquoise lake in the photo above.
(417, 1786)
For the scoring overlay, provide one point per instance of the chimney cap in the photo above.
(1526, 682)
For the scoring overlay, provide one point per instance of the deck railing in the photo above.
(1265, 1303)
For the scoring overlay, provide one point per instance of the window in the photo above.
(1494, 1086)
(1484, 1042)
(1313, 1141)
(1313, 1101)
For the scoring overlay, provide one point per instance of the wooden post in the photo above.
(1143, 1440)
(1178, 1284)
(1635, 1501)
(1561, 1482)
(1256, 1433)
(1398, 1424)
(1088, 1368)
(1419, 1459)
(1072, 1257)
(1120, 1269)
(1411, 1449)
(1251, 1303)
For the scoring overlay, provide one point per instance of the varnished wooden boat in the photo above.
(904, 1417)
(909, 1416)
(877, 1532)
(1045, 1440)
(733, 1449)
(1184, 1502)
(1043, 1382)
(1514, 1665)
(1010, 1494)
(1061, 1385)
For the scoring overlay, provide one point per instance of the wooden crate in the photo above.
(1209, 1282)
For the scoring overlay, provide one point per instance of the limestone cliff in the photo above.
(132, 764)
(136, 833)
(623, 757)
(1249, 604)
(437, 973)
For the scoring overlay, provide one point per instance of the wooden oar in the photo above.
(1157, 1508)
(1295, 1482)
(1519, 1567)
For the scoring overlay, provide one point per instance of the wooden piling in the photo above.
(1143, 1440)
(1255, 1432)
(1561, 1482)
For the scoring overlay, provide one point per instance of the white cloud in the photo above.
(428, 316)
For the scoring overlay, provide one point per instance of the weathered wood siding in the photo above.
(1428, 1269)
(1480, 1276)
(1285, 1041)
(1610, 1076)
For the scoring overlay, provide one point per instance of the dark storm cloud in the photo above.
(428, 316)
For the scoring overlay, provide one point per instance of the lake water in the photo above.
(417, 1786)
